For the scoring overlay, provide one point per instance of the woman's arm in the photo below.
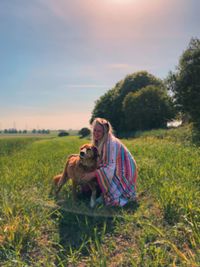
(106, 172)
(106, 167)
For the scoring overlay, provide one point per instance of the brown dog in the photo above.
(75, 167)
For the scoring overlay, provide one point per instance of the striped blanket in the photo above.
(117, 174)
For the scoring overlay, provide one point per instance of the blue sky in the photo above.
(59, 56)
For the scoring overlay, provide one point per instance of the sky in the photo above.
(57, 57)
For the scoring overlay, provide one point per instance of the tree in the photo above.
(110, 105)
(104, 106)
(185, 82)
(149, 108)
(63, 133)
(84, 132)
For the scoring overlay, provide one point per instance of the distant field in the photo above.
(53, 133)
(162, 229)
(7, 136)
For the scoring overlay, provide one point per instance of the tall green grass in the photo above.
(161, 230)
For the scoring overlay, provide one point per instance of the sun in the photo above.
(122, 1)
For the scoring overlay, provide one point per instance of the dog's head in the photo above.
(88, 151)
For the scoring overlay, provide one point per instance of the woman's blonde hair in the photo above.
(107, 130)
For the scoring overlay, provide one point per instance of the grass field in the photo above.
(161, 229)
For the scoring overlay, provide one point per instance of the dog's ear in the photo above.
(83, 146)
(95, 151)
(86, 146)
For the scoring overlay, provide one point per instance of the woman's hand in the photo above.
(88, 176)
(99, 162)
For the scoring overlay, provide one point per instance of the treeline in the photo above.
(15, 131)
(142, 101)
(43, 131)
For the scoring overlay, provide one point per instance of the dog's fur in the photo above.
(75, 168)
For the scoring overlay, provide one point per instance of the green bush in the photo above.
(149, 108)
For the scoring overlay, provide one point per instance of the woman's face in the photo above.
(98, 132)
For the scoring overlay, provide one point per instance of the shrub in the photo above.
(63, 133)
(84, 132)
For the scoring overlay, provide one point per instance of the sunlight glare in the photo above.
(123, 1)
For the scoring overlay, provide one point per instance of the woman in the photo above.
(117, 172)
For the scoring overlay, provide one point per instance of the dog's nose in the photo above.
(82, 154)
